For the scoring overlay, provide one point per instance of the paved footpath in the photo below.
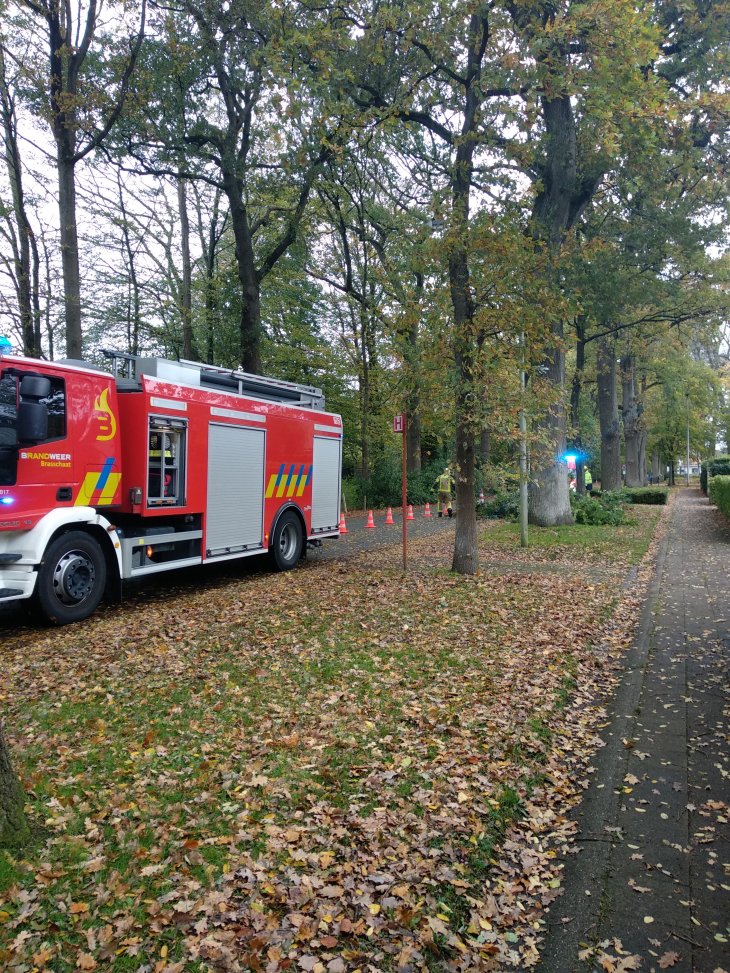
(653, 864)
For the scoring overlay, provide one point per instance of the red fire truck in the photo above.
(151, 466)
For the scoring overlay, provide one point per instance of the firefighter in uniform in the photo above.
(445, 484)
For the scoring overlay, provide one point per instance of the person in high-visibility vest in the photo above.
(588, 480)
(445, 484)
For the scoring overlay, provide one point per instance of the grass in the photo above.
(333, 727)
(626, 543)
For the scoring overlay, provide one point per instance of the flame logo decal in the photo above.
(105, 418)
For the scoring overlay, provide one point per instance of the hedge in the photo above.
(716, 466)
(652, 494)
(720, 493)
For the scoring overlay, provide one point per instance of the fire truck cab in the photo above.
(155, 465)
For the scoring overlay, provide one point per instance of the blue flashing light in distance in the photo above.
(6, 345)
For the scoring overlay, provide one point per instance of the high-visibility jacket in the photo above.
(445, 482)
(588, 479)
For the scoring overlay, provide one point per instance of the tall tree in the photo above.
(243, 100)
(75, 85)
(19, 232)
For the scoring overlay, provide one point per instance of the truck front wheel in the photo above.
(288, 540)
(71, 578)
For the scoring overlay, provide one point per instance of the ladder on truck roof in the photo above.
(129, 369)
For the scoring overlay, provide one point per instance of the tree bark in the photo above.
(250, 319)
(68, 47)
(656, 469)
(189, 349)
(413, 398)
(485, 446)
(24, 270)
(555, 209)
(14, 830)
(467, 338)
(575, 394)
(631, 419)
(608, 416)
(69, 247)
(133, 313)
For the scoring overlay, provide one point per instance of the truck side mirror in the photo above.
(32, 422)
(35, 387)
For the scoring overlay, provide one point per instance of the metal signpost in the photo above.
(400, 425)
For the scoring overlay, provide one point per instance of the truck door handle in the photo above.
(63, 493)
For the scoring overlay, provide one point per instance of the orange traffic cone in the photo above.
(446, 511)
(343, 525)
(481, 496)
(389, 517)
(427, 511)
(410, 512)
(371, 522)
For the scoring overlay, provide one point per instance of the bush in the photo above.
(720, 493)
(652, 494)
(604, 509)
(715, 466)
(502, 503)
(352, 492)
(383, 487)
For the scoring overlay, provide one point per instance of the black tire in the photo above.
(71, 578)
(287, 542)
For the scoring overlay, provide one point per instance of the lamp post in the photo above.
(686, 395)
(523, 451)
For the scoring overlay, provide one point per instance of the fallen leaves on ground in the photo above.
(332, 769)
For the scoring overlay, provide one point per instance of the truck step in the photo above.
(10, 592)
(10, 558)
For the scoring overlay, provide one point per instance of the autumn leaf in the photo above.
(669, 959)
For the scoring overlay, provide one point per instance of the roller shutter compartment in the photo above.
(235, 514)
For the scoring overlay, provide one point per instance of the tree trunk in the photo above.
(69, 248)
(608, 416)
(556, 208)
(656, 469)
(133, 313)
(466, 552)
(466, 350)
(249, 328)
(575, 394)
(485, 446)
(413, 400)
(14, 830)
(190, 352)
(549, 495)
(413, 438)
(630, 409)
(22, 253)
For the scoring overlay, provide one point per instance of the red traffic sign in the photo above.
(399, 423)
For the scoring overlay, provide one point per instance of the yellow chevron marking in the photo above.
(107, 494)
(86, 490)
(302, 483)
(282, 486)
(271, 486)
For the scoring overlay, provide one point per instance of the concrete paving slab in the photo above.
(661, 884)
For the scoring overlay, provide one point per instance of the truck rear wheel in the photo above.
(288, 540)
(71, 578)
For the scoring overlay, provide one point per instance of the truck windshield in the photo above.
(8, 410)
(8, 429)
